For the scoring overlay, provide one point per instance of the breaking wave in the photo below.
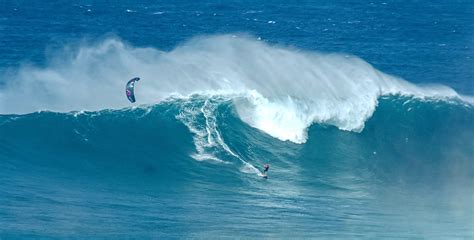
(279, 90)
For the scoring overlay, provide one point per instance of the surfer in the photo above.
(265, 169)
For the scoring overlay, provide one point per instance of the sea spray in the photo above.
(279, 90)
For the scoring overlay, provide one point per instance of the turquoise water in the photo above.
(364, 112)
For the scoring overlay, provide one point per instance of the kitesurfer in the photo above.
(265, 169)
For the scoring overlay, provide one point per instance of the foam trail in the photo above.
(279, 90)
(203, 141)
(207, 138)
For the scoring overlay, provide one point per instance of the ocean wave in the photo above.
(279, 90)
(403, 131)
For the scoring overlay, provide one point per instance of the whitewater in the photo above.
(281, 91)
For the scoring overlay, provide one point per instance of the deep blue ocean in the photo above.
(363, 109)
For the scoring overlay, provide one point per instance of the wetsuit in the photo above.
(265, 168)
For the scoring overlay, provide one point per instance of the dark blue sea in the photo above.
(364, 111)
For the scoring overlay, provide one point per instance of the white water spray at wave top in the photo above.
(279, 90)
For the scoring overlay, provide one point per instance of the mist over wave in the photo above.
(279, 90)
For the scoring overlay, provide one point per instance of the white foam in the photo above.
(280, 90)
(207, 138)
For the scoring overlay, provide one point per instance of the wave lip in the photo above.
(278, 90)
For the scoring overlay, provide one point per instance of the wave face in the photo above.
(168, 164)
(285, 90)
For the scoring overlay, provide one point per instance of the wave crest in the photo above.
(276, 89)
